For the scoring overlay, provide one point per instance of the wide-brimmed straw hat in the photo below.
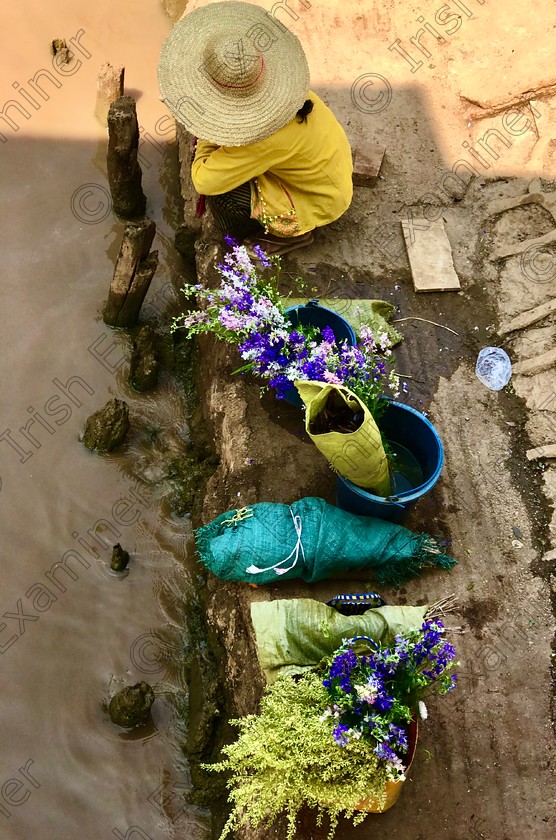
(232, 73)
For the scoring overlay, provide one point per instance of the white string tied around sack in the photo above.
(297, 550)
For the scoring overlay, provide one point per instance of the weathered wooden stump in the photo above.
(124, 172)
(133, 273)
(110, 87)
(144, 365)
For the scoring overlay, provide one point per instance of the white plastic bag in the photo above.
(493, 368)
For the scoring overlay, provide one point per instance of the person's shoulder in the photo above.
(321, 112)
(315, 99)
(286, 137)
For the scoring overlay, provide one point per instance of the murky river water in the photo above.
(72, 633)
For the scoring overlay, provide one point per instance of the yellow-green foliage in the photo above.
(285, 757)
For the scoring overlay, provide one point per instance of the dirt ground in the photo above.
(484, 766)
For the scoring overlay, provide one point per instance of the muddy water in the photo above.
(73, 633)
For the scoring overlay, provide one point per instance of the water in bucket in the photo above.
(407, 473)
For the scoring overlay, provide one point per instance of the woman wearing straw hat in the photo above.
(271, 156)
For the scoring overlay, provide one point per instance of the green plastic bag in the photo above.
(294, 635)
(358, 456)
(377, 314)
(312, 540)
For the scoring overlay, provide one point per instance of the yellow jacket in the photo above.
(301, 176)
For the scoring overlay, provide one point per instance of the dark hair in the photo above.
(305, 110)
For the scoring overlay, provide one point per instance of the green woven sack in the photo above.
(312, 540)
(294, 635)
(358, 456)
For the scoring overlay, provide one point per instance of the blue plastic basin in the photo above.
(313, 315)
(408, 428)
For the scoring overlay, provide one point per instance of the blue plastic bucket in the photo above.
(313, 315)
(408, 429)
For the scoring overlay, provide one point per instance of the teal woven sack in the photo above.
(312, 540)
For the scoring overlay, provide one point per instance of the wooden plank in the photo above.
(532, 316)
(520, 247)
(545, 451)
(537, 364)
(533, 196)
(430, 254)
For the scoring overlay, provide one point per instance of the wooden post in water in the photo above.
(124, 172)
(110, 86)
(133, 273)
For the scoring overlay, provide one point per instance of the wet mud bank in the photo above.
(258, 460)
(260, 453)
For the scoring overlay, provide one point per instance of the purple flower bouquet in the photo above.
(246, 310)
(374, 691)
